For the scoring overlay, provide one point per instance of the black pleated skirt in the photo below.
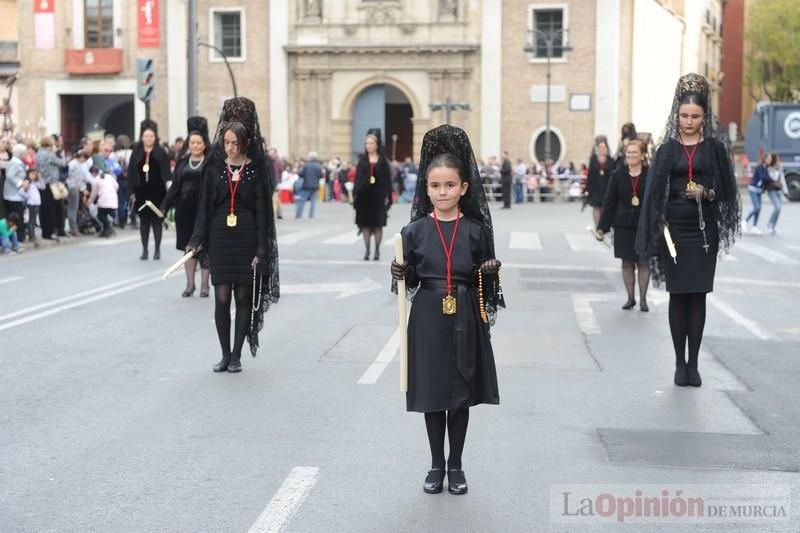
(231, 250)
(185, 216)
(450, 359)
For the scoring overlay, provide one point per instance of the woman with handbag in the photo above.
(756, 188)
(235, 225)
(776, 188)
(53, 212)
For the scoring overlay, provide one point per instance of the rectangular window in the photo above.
(548, 25)
(228, 33)
(99, 23)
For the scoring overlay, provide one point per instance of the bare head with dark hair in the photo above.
(235, 139)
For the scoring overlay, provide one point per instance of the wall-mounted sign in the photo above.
(44, 23)
(149, 29)
(580, 102)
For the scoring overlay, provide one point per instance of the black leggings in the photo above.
(456, 421)
(146, 219)
(222, 316)
(687, 318)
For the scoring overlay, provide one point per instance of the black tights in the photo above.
(222, 316)
(147, 219)
(629, 278)
(456, 421)
(369, 232)
(687, 318)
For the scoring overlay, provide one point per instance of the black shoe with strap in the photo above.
(434, 482)
(456, 482)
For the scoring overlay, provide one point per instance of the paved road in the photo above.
(111, 419)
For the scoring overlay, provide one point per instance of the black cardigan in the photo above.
(618, 211)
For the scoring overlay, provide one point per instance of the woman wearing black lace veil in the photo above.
(372, 192)
(691, 191)
(453, 275)
(235, 225)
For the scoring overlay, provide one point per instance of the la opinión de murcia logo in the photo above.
(696, 504)
(792, 125)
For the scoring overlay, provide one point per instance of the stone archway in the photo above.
(345, 128)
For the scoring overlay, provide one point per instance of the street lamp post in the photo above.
(194, 43)
(549, 37)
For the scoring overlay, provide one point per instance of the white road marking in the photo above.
(582, 303)
(10, 280)
(737, 317)
(385, 356)
(349, 237)
(297, 236)
(583, 242)
(291, 494)
(767, 254)
(113, 240)
(73, 297)
(78, 303)
(344, 289)
(793, 247)
(730, 258)
(524, 240)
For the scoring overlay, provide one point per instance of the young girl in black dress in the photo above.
(450, 268)
(691, 190)
(235, 225)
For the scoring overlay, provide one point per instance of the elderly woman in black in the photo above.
(184, 195)
(148, 172)
(621, 210)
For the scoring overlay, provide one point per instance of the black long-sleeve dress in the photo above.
(184, 195)
(450, 358)
(231, 249)
(372, 200)
(150, 185)
(597, 180)
(619, 211)
(695, 268)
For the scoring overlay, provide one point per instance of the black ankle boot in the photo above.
(434, 482)
(157, 255)
(693, 375)
(456, 482)
(629, 304)
(222, 366)
(236, 363)
(681, 376)
(143, 257)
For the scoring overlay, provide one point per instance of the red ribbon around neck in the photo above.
(448, 253)
(233, 188)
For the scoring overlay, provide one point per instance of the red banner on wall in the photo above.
(44, 6)
(44, 23)
(149, 29)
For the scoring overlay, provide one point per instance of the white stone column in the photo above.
(279, 77)
(177, 65)
(607, 72)
(491, 78)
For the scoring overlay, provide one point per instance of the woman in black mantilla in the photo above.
(451, 364)
(601, 164)
(184, 195)
(621, 210)
(691, 191)
(236, 226)
(148, 172)
(372, 192)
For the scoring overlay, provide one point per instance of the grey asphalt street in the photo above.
(112, 421)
